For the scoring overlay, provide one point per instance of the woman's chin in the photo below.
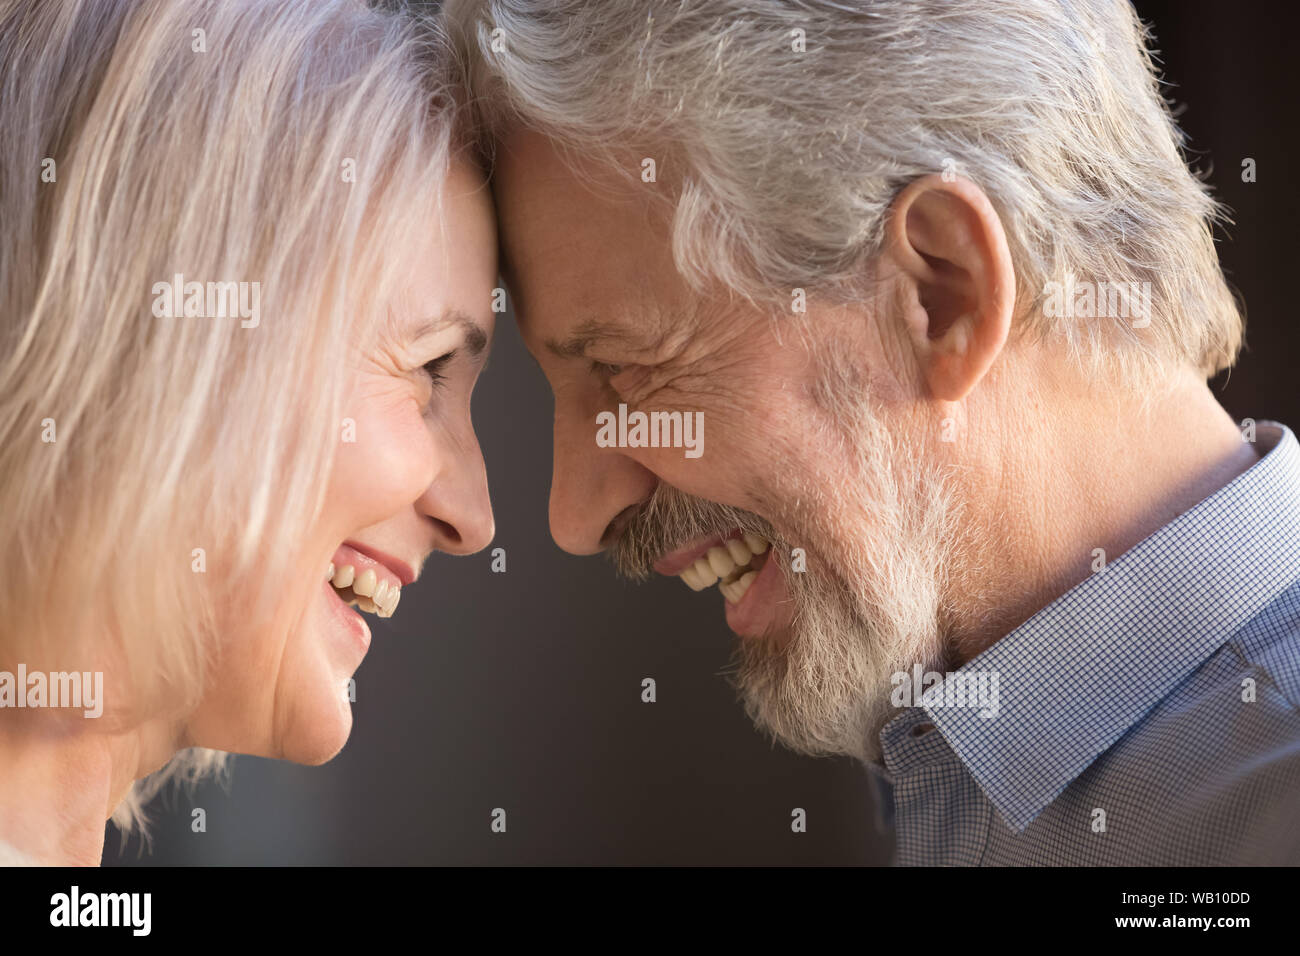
(317, 687)
(319, 740)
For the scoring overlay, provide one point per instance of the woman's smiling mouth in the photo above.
(361, 579)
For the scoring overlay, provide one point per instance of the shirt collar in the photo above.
(1084, 669)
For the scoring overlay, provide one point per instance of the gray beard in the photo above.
(859, 620)
(868, 606)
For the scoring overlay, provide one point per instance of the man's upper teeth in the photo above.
(369, 592)
(693, 580)
(728, 563)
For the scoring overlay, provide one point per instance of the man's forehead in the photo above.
(585, 250)
(535, 157)
(572, 252)
(597, 300)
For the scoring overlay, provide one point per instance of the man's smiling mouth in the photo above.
(732, 563)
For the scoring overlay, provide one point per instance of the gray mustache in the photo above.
(669, 519)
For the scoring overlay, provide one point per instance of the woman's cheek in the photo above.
(389, 461)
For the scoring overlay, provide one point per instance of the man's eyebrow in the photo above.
(586, 334)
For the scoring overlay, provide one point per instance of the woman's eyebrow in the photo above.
(476, 340)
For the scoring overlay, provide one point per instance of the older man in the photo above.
(939, 290)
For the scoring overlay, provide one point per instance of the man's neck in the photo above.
(1066, 479)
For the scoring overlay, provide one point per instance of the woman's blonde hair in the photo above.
(293, 148)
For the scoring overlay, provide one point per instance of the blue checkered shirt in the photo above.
(1149, 716)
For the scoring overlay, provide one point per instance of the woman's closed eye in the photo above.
(436, 369)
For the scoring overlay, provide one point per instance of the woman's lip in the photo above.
(351, 621)
(675, 562)
(404, 573)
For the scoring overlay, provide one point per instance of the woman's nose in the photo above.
(459, 504)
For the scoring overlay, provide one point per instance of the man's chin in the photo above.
(821, 685)
(815, 731)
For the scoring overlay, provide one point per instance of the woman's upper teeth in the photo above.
(728, 563)
(370, 593)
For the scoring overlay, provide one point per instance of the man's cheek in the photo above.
(720, 475)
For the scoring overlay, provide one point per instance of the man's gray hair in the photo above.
(796, 123)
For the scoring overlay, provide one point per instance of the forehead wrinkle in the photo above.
(654, 326)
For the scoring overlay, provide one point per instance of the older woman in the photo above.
(245, 292)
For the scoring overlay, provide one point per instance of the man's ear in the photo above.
(947, 243)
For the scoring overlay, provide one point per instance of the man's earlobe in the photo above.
(947, 244)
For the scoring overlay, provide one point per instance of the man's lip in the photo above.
(675, 562)
(401, 570)
(765, 606)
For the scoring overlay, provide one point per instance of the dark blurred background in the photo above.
(522, 690)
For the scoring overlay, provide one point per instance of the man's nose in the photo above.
(590, 487)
